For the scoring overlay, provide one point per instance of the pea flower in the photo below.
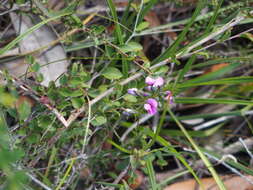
(158, 82)
(128, 112)
(151, 106)
(169, 97)
(132, 91)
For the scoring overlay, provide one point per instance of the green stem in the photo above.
(200, 153)
(159, 127)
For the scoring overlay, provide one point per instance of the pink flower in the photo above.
(169, 97)
(149, 81)
(151, 106)
(154, 82)
(132, 91)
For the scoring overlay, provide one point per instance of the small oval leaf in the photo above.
(112, 73)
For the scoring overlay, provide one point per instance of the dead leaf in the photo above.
(53, 61)
(231, 182)
(172, 35)
(216, 68)
(152, 18)
(137, 181)
(21, 99)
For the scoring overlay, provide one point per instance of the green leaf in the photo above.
(39, 77)
(63, 80)
(112, 73)
(76, 80)
(66, 92)
(5, 138)
(161, 70)
(97, 29)
(142, 26)
(33, 138)
(35, 67)
(99, 120)
(130, 98)
(24, 110)
(7, 99)
(77, 102)
(44, 121)
(131, 47)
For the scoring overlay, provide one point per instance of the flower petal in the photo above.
(132, 91)
(158, 82)
(148, 108)
(151, 106)
(152, 102)
(149, 81)
(169, 97)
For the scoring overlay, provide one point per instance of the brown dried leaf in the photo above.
(231, 182)
(21, 99)
(53, 61)
(216, 67)
(152, 18)
(137, 181)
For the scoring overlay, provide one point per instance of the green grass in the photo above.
(71, 137)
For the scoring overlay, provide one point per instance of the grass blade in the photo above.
(170, 52)
(166, 144)
(151, 174)
(188, 100)
(31, 30)
(200, 153)
(225, 81)
(214, 17)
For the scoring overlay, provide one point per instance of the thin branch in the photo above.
(38, 182)
(227, 26)
(217, 32)
(20, 84)
(238, 146)
(87, 126)
(132, 127)
(230, 168)
(136, 22)
(120, 176)
(246, 147)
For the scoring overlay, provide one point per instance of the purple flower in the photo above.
(149, 81)
(154, 82)
(151, 106)
(132, 91)
(128, 111)
(169, 97)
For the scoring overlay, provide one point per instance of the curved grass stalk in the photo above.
(200, 153)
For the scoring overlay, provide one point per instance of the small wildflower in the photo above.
(128, 111)
(158, 82)
(151, 106)
(169, 97)
(132, 91)
(149, 81)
